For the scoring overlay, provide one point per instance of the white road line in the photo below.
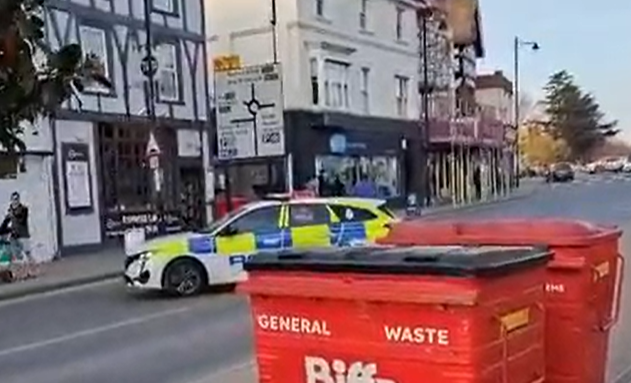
(53, 293)
(90, 332)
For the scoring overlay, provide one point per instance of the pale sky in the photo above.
(590, 39)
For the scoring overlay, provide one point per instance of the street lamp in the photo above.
(426, 14)
(517, 45)
(149, 68)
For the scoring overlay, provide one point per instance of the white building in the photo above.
(30, 174)
(494, 95)
(102, 181)
(350, 75)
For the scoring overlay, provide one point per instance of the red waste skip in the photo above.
(583, 282)
(399, 315)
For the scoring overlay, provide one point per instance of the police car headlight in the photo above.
(145, 256)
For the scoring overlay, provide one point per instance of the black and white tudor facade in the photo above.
(92, 157)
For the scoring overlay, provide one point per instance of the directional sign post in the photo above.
(250, 112)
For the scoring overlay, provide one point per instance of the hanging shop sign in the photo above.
(116, 224)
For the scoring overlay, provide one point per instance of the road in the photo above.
(102, 334)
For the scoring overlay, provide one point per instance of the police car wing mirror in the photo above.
(229, 231)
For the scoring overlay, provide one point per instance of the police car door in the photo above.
(309, 225)
(254, 231)
(353, 227)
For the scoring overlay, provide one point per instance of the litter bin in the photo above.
(583, 286)
(395, 315)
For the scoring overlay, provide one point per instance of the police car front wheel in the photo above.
(185, 277)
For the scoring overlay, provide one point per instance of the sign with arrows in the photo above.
(250, 112)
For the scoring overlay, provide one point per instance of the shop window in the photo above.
(10, 165)
(352, 214)
(127, 182)
(308, 214)
(382, 170)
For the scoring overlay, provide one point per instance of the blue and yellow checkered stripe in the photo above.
(337, 234)
(261, 240)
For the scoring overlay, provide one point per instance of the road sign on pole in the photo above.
(250, 112)
(226, 63)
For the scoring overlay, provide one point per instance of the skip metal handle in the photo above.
(615, 311)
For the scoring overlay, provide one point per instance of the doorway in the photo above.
(192, 197)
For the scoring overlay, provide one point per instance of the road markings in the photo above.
(92, 331)
(53, 293)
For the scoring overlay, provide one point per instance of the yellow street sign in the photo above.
(226, 63)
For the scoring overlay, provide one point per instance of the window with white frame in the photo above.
(363, 15)
(401, 83)
(163, 5)
(319, 7)
(315, 86)
(399, 25)
(94, 43)
(336, 84)
(168, 68)
(365, 88)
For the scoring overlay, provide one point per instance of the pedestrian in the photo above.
(338, 188)
(365, 188)
(16, 220)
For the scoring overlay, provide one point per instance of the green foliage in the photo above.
(575, 116)
(35, 79)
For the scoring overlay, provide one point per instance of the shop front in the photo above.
(343, 152)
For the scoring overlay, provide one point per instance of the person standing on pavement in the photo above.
(17, 222)
(365, 188)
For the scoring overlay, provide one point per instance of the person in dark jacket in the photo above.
(16, 221)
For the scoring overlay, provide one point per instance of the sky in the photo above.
(590, 39)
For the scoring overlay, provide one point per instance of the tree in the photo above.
(575, 116)
(34, 78)
(539, 146)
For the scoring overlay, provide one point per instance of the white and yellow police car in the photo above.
(185, 263)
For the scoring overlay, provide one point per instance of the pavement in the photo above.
(68, 272)
(103, 333)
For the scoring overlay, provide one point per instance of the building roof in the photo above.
(495, 80)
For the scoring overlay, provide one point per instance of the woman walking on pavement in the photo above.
(17, 222)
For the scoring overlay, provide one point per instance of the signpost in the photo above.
(250, 112)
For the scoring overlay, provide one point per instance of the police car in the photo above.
(185, 263)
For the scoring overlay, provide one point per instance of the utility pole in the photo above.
(517, 44)
(149, 68)
(288, 165)
(516, 109)
(274, 22)
(425, 15)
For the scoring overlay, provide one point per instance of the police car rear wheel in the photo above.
(184, 277)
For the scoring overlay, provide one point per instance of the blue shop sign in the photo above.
(340, 143)
(337, 143)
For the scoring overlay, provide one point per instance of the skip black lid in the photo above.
(459, 261)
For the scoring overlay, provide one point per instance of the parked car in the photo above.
(594, 167)
(613, 164)
(561, 172)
